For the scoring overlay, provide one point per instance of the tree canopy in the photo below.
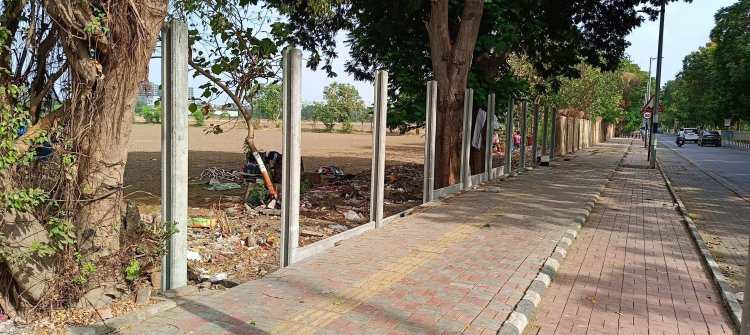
(713, 83)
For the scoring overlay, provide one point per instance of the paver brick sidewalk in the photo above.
(459, 266)
(633, 268)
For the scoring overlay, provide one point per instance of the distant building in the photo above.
(149, 93)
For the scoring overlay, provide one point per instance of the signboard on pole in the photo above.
(727, 122)
(647, 115)
(650, 108)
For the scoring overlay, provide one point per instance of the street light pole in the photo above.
(655, 112)
(648, 83)
(647, 97)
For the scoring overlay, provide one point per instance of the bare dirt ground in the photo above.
(244, 243)
(350, 152)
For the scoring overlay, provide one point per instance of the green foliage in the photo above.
(714, 79)
(152, 114)
(87, 269)
(199, 118)
(553, 36)
(133, 271)
(42, 249)
(25, 199)
(342, 105)
(62, 233)
(268, 102)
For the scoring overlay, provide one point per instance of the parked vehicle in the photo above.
(692, 135)
(710, 137)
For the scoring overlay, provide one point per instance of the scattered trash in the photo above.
(218, 277)
(338, 228)
(304, 232)
(270, 211)
(351, 215)
(201, 223)
(331, 170)
(193, 256)
(222, 187)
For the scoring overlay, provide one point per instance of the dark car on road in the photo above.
(710, 137)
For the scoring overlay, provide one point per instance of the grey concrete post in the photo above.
(553, 146)
(291, 155)
(534, 134)
(509, 137)
(174, 152)
(466, 141)
(377, 184)
(489, 132)
(545, 125)
(429, 142)
(524, 116)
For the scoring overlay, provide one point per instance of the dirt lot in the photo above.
(243, 244)
(350, 152)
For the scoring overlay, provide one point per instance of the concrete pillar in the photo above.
(174, 152)
(291, 156)
(509, 137)
(466, 139)
(545, 125)
(429, 142)
(534, 134)
(524, 117)
(553, 146)
(377, 185)
(489, 132)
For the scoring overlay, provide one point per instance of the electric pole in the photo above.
(655, 112)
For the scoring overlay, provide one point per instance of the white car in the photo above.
(691, 135)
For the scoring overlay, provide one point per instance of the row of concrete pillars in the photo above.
(175, 150)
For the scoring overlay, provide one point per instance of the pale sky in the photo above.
(687, 27)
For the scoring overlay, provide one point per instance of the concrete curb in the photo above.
(735, 309)
(524, 310)
(121, 321)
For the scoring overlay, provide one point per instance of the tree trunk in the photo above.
(451, 61)
(106, 70)
(250, 138)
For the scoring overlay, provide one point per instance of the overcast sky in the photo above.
(687, 27)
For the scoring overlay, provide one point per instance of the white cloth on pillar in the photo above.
(496, 123)
(476, 140)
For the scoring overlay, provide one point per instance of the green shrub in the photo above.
(151, 114)
(199, 118)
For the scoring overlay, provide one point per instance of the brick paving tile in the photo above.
(457, 266)
(722, 218)
(633, 269)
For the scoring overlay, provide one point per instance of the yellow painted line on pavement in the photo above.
(317, 317)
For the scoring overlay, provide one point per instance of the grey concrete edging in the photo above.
(121, 321)
(524, 310)
(734, 307)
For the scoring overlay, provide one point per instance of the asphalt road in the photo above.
(729, 165)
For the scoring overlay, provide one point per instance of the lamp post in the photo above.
(655, 112)
(648, 83)
(644, 123)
